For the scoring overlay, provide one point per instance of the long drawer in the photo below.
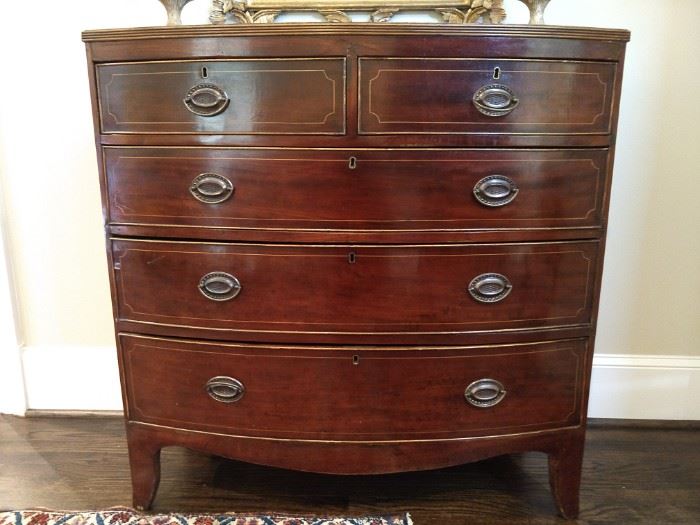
(433, 95)
(323, 290)
(384, 190)
(356, 393)
(222, 97)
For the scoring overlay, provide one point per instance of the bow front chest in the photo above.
(355, 248)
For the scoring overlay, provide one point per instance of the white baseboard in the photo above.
(12, 395)
(623, 386)
(645, 387)
(71, 378)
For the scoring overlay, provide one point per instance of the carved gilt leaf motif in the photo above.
(383, 15)
(452, 15)
(497, 15)
(487, 9)
(266, 16)
(337, 17)
(475, 14)
(248, 11)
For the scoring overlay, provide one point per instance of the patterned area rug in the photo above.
(124, 516)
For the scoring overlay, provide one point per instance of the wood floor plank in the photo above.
(631, 475)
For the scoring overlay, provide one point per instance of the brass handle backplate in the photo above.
(490, 287)
(495, 191)
(495, 100)
(206, 100)
(485, 393)
(211, 188)
(219, 286)
(225, 389)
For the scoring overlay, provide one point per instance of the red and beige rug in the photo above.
(123, 516)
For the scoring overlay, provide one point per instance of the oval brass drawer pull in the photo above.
(485, 393)
(219, 286)
(490, 287)
(206, 100)
(225, 389)
(495, 191)
(495, 100)
(211, 188)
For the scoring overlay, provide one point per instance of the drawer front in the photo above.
(275, 96)
(237, 288)
(355, 191)
(353, 393)
(406, 95)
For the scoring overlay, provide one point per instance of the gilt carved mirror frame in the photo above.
(266, 11)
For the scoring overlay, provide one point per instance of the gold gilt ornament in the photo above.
(266, 11)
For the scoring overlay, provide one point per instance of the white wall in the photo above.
(12, 395)
(651, 291)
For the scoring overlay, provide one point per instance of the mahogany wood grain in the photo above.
(419, 95)
(376, 255)
(523, 335)
(354, 290)
(302, 40)
(306, 191)
(149, 97)
(295, 392)
(565, 463)
(458, 140)
(144, 461)
(350, 458)
(360, 40)
(353, 237)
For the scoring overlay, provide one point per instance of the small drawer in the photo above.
(353, 393)
(349, 191)
(237, 290)
(224, 97)
(418, 95)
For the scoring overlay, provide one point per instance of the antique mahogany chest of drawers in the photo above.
(356, 249)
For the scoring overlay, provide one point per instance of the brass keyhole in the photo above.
(352, 163)
(352, 257)
(205, 72)
(356, 360)
(497, 73)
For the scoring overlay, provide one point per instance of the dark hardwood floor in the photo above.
(631, 475)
